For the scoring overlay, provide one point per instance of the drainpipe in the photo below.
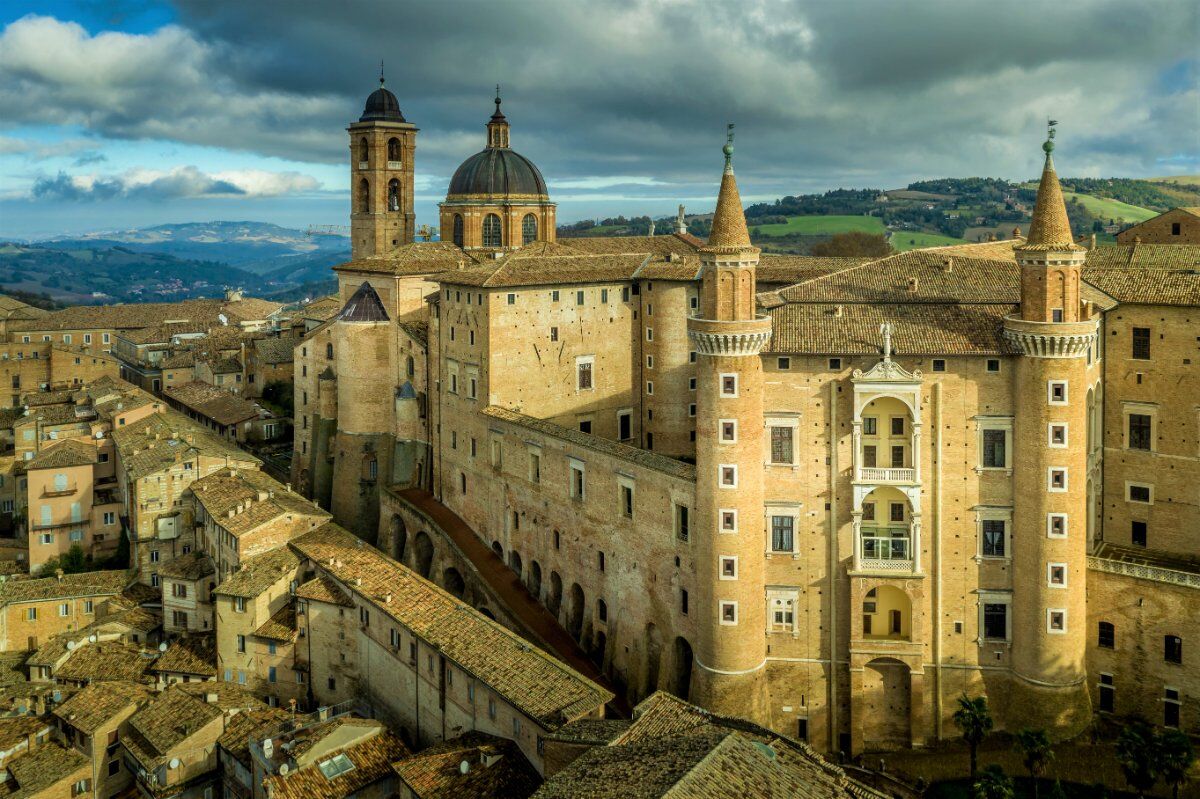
(937, 560)
(833, 565)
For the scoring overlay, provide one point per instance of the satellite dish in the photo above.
(464, 767)
(283, 769)
(162, 647)
(99, 434)
(174, 762)
(71, 646)
(92, 638)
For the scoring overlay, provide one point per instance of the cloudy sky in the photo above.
(121, 113)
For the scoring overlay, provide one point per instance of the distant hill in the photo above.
(929, 212)
(172, 262)
(258, 247)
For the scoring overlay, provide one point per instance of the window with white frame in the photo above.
(728, 475)
(729, 385)
(729, 520)
(1056, 575)
(1140, 423)
(1056, 479)
(1056, 525)
(728, 612)
(995, 616)
(577, 487)
(728, 428)
(584, 379)
(995, 530)
(1056, 621)
(729, 567)
(995, 442)
(782, 532)
(1056, 392)
(781, 611)
(1056, 435)
(781, 440)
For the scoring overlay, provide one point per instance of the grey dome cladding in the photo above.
(498, 172)
(382, 106)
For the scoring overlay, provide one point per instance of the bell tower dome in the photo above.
(382, 142)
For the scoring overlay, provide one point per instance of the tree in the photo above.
(1034, 747)
(1175, 758)
(974, 720)
(1137, 756)
(874, 245)
(993, 783)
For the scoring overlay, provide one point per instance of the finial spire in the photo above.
(728, 232)
(728, 148)
(1049, 227)
(381, 73)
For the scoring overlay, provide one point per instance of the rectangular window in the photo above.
(782, 609)
(627, 501)
(554, 334)
(1058, 435)
(729, 613)
(993, 364)
(993, 538)
(995, 449)
(625, 425)
(729, 386)
(868, 511)
(1139, 431)
(1140, 493)
(1171, 707)
(728, 475)
(512, 299)
(1056, 525)
(1138, 533)
(1141, 343)
(896, 511)
(579, 298)
(1056, 575)
(1057, 392)
(1172, 649)
(1056, 621)
(583, 367)
(241, 644)
(577, 483)
(1106, 637)
(995, 621)
(782, 530)
(1057, 479)
(554, 295)
(728, 431)
(870, 426)
(1108, 693)
(781, 445)
(783, 363)
(729, 520)
(649, 334)
(682, 528)
(835, 364)
(683, 601)
(939, 365)
(897, 425)
(728, 568)
(898, 456)
(870, 456)
(535, 467)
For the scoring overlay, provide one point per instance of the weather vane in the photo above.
(381, 72)
(1050, 124)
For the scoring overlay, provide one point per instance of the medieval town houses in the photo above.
(566, 515)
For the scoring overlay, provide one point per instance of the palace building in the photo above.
(828, 495)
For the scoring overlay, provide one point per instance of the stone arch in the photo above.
(554, 598)
(887, 614)
(681, 684)
(653, 660)
(887, 705)
(399, 537)
(364, 196)
(514, 562)
(529, 229)
(423, 553)
(393, 195)
(886, 525)
(493, 231)
(498, 549)
(575, 612)
(364, 151)
(457, 230)
(598, 649)
(483, 609)
(885, 405)
(393, 150)
(535, 579)
(453, 582)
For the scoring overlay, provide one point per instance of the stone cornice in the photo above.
(1050, 339)
(731, 338)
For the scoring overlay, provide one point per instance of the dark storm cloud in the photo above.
(824, 94)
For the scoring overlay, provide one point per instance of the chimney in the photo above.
(1017, 233)
(211, 698)
(58, 573)
(947, 267)
(913, 282)
(837, 310)
(1092, 245)
(1137, 239)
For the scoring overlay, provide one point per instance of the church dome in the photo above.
(498, 172)
(382, 106)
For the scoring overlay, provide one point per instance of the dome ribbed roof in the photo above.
(498, 172)
(382, 106)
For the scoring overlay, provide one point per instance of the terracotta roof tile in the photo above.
(539, 685)
(322, 588)
(417, 258)
(64, 454)
(106, 660)
(190, 654)
(84, 584)
(192, 566)
(215, 403)
(99, 702)
(259, 573)
(42, 768)
(434, 773)
(281, 626)
(372, 761)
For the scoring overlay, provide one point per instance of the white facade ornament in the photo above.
(733, 344)
(886, 371)
(885, 330)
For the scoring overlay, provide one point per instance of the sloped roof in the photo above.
(364, 306)
(64, 454)
(372, 761)
(259, 573)
(99, 702)
(213, 402)
(43, 767)
(518, 268)
(434, 773)
(84, 584)
(416, 258)
(190, 654)
(202, 312)
(275, 350)
(162, 440)
(538, 684)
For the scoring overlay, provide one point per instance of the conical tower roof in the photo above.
(364, 306)
(1050, 229)
(729, 232)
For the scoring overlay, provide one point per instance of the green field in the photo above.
(818, 225)
(1112, 209)
(1182, 180)
(903, 240)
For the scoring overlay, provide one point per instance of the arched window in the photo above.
(393, 151)
(529, 229)
(601, 610)
(329, 352)
(393, 195)
(364, 196)
(491, 231)
(412, 367)
(458, 230)
(364, 151)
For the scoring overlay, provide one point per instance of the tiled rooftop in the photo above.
(189, 654)
(40, 769)
(98, 703)
(242, 500)
(192, 566)
(213, 402)
(84, 584)
(275, 350)
(660, 463)
(323, 588)
(163, 440)
(64, 454)
(178, 713)
(259, 573)
(106, 660)
(372, 761)
(281, 626)
(536, 683)
(137, 315)
(417, 258)
(435, 772)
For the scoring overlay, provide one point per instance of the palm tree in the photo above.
(993, 784)
(1175, 758)
(1035, 751)
(974, 720)
(1137, 756)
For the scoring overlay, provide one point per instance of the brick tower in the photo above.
(381, 177)
(728, 336)
(1055, 332)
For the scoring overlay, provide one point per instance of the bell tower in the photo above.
(728, 336)
(1053, 332)
(381, 177)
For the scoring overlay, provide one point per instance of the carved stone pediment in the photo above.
(887, 371)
